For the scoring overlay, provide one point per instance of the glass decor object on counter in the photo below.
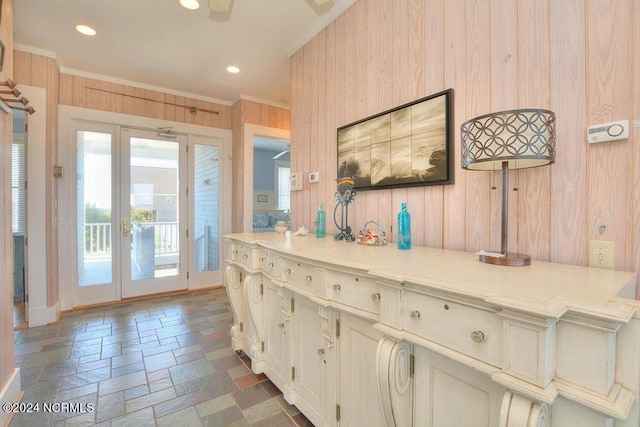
(369, 236)
(344, 196)
(404, 227)
(321, 221)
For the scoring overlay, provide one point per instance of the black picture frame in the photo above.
(407, 146)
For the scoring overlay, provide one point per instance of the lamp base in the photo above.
(511, 260)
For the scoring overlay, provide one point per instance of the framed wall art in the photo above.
(410, 145)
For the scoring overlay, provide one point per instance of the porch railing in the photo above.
(97, 237)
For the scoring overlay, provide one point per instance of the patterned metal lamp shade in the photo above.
(514, 139)
(523, 138)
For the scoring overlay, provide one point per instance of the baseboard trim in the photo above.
(11, 393)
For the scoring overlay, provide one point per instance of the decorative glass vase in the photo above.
(404, 228)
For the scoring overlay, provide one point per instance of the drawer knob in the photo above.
(446, 306)
(320, 351)
(414, 314)
(235, 252)
(308, 278)
(261, 259)
(281, 325)
(288, 271)
(336, 287)
(375, 297)
(477, 336)
(245, 256)
(271, 265)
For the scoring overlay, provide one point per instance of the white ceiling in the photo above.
(159, 43)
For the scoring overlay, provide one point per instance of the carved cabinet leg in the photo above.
(235, 293)
(253, 290)
(394, 381)
(518, 411)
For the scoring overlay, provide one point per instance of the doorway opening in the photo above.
(271, 171)
(18, 216)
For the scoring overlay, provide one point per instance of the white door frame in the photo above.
(67, 186)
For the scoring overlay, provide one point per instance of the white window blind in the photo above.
(17, 186)
(283, 188)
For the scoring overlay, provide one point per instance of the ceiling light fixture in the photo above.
(233, 69)
(190, 4)
(86, 30)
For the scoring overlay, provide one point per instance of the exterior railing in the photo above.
(97, 237)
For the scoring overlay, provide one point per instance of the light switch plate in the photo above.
(601, 254)
(314, 176)
(295, 181)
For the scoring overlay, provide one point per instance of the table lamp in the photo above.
(514, 139)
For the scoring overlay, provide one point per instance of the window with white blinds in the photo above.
(18, 193)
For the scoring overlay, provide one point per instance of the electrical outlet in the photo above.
(601, 254)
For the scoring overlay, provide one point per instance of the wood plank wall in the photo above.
(43, 72)
(7, 364)
(100, 95)
(243, 112)
(575, 57)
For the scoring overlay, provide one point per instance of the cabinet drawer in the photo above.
(270, 265)
(469, 330)
(299, 274)
(354, 290)
(239, 252)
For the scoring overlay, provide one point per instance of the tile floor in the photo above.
(166, 361)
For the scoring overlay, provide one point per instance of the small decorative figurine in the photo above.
(369, 237)
(344, 196)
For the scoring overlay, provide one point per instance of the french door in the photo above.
(153, 183)
(134, 213)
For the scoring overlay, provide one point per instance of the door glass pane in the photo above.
(206, 202)
(155, 227)
(94, 208)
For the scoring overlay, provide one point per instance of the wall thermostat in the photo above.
(608, 131)
(295, 181)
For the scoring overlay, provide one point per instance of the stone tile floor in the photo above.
(165, 361)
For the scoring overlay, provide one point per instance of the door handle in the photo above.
(125, 228)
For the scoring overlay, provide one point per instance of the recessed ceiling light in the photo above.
(86, 30)
(190, 4)
(233, 69)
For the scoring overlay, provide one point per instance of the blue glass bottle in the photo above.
(321, 221)
(404, 228)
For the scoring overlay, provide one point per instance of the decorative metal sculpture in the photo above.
(344, 196)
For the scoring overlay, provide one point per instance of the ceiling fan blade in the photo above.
(220, 5)
(277, 156)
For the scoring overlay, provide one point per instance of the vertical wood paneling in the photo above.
(568, 195)
(237, 164)
(454, 67)
(608, 82)
(311, 197)
(330, 143)
(432, 24)
(366, 198)
(107, 96)
(534, 194)
(23, 67)
(298, 143)
(635, 212)
(322, 142)
(478, 221)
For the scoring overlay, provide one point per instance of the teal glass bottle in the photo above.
(404, 227)
(321, 222)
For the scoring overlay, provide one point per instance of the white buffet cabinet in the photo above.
(374, 336)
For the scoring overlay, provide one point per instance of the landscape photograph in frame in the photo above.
(410, 145)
